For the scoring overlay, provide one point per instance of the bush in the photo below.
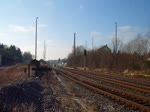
(147, 64)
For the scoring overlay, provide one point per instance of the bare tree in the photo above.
(116, 46)
(140, 45)
(77, 59)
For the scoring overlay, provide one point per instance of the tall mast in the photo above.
(116, 39)
(44, 52)
(74, 44)
(92, 43)
(36, 38)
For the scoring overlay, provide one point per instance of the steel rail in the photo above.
(113, 81)
(118, 98)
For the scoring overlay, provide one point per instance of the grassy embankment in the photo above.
(12, 73)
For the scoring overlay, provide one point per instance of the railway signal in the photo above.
(84, 52)
(85, 59)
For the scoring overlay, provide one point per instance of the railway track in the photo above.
(135, 81)
(124, 78)
(127, 98)
(131, 86)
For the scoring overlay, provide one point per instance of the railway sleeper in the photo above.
(114, 80)
(139, 89)
(104, 94)
(126, 97)
(139, 101)
(148, 105)
(127, 102)
(132, 98)
(110, 90)
(130, 80)
(120, 101)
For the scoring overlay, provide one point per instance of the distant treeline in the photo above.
(12, 55)
(133, 55)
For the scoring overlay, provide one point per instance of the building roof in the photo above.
(104, 48)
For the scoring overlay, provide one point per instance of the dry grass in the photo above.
(25, 108)
(141, 73)
(136, 73)
(12, 73)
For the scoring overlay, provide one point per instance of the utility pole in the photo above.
(74, 49)
(116, 47)
(74, 44)
(44, 52)
(92, 43)
(36, 38)
(116, 43)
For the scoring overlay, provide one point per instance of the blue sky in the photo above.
(59, 19)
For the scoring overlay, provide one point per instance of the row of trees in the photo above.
(11, 55)
(133, 55)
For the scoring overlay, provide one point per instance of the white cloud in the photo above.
(128, 33)
(21, 29)
(25, 29)
(125, 28)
